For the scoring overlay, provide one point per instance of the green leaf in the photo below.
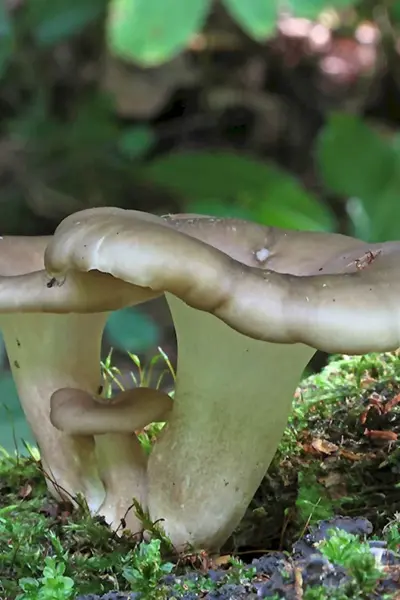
(129, 329)
(357, 162)
(7, 40)
(151, 32)
(287, 204)
(258, 18)
(384, 212)
(353, 159)
(265, 192)
(55, 21)
(394, 11)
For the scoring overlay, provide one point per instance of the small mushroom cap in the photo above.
(78, 413)
(328, 291)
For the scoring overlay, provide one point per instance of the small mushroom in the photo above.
(118, 451)
(79, 413)
(53, 334)
(250, 305)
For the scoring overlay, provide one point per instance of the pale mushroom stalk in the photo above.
(204, 471)
(118, 456)
(46, 352)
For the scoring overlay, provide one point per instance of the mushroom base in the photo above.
(232, 400)
(122, 465)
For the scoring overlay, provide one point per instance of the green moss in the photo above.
(341, 389)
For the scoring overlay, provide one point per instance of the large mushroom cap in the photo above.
(329, 291)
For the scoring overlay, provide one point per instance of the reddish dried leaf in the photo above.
(392, 403)
(376, 434)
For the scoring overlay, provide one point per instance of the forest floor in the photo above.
(325, 522)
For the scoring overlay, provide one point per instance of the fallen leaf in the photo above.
(351, 455)
(376, 434)
(323, 446)
(220, 561)
(392, 403)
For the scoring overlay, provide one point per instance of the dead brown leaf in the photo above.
(323, 446)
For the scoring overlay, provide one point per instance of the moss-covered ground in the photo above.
(340, 455)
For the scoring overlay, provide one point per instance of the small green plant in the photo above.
(322, 593)
(392, 533)
(347, 550)
(155, 529)
(147, 569)
(53, 585)
(240, 571)
(142, 378)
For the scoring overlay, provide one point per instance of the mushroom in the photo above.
(53, 335)
(250, 305)
(118, 452)
(79, 413)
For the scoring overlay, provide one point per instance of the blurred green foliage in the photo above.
(152, 31)
(358, 163)
(131, 330)
(240, 186)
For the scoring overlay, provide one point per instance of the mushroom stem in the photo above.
(46, 352)
(52, 351)
(230, 409)
(118, 455)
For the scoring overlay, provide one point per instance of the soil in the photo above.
(279, 575)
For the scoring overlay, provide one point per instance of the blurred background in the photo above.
(282, 113)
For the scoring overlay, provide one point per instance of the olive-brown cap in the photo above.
(79, 413)
(329, 291)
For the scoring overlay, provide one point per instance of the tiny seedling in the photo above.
(143, 377)
(147, 568)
